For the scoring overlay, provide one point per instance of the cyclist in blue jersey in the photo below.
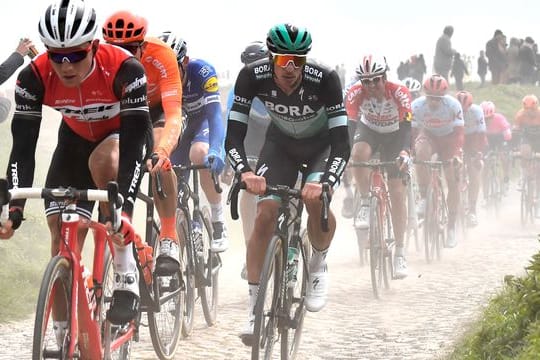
(204, 133)
(308, 126)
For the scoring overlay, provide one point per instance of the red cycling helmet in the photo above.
(123, 27)
(488, 107)
(435, 85)
(465, 99)
(530, 102)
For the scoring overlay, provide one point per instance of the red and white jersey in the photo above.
(382, 116)
(440, 120)
(474, 120)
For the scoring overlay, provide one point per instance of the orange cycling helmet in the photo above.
(435, 85)
(465, 99)
(530, 102)
(123, 27)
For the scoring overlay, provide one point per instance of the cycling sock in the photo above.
(318, 257)
(253, 289)
(168, 228)
(217, 212)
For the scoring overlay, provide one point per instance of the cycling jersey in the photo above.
(440, 120)
(475, 130)
(164, 89)
(527, 118)
(315, 107)
(111, 99)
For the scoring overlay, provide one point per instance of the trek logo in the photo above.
(291, 110)
(135, 179)
(136, 84)
(96, 112)
(261, 69)
(14, 175)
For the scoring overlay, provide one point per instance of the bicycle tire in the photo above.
(267, 307)
(165, 326)
(209, 269)
(291, 331)
(431, 227)
(376, 252)
(388, 246)
(109, 331)
(188, 273)
(361, 234)
(57, 279)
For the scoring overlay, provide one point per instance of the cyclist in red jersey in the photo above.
(101, 93)
(382, 111)
(128, 31)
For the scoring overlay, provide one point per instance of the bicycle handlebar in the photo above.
(214, 175)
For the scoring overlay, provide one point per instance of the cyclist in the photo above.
(101, 138)
(128, 31)
(308, 125)
(253, 142)
(499, 134)
(382, 112)
(204, 133)
(438, 126)
(414, 86)
(473, 147)
(527, 123)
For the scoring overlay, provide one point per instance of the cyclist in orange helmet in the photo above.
(164, 85)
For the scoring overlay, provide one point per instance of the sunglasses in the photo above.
(284, 60)
(374, 80)
(72, 57)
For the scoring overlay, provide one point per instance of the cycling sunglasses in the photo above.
(72, 57)
(284, 60)
(373, 80)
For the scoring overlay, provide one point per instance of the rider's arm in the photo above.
(171, 101)
(212, 109)
(352, 107)
(237, 122)
(135, 129)
(25, 131)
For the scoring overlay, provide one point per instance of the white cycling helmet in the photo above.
(67, 23)
(371, 66)
(176, 43)
(412, 84)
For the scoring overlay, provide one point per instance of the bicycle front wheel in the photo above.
(188, 273)
(376, 251)
(209, 270)
(267, 307)
(55, 286)
(294, 308)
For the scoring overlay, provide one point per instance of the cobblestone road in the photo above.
(419, 318)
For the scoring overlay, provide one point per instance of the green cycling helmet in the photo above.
(288, 39)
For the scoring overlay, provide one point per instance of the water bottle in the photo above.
(292, 266)
(89, 288)
(197, 238)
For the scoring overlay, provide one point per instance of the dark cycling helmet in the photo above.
(465, 99)
(371, 66)
(288, 39)
(67, 23)
(123, 27)
(176, 43)
(435, 85)
(412, 84)
(254, 51)
(530, 102)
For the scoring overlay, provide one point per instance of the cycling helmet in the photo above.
(176, 43)
(412, 84)
(488, 107)
(67, 23)
(288, 39)
(530, 102)
(123, 27)
(254, 51)
(465, 99)
(435, 85)
(371, 66)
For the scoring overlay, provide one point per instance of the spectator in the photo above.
(513, 75)
(527, 61)
(496, 54)
(418, 67)
(15, 60)
(459, 70)
(482, 68)
(444, 53)
(403, 70)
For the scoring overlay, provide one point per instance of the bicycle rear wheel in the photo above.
(209, 270)
(188, 273)
(165, 326)
(267, 307)
(291, 331)
(376, 251)
(432, 228)
(56, 282)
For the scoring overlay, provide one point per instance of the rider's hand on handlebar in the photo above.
(214, 161)
(159, 160)
(124, 235)
(6, 230)
(312, 191)
(254, 184)
(403, 161)
(15, 219)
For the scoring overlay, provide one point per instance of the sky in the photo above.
(342, 30)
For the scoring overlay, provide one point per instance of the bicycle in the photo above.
(84, 299)
(380, 233)
(201, 269)
(414, 223)
(493, 184)
(529, 187)
(279, 309)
